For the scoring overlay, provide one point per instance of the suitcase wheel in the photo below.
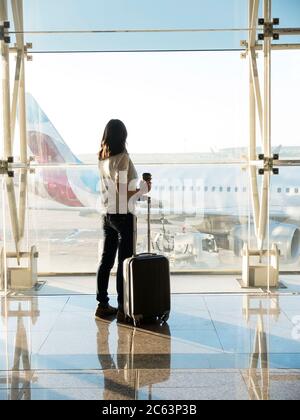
(137, 320)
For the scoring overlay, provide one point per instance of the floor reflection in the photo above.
(262, 310)
(19, 376)
(125, 376)
(214, 347)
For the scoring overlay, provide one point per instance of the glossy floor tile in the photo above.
(159, 385)
(213, 347)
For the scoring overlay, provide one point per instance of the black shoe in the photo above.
(105, 311)
(121, 318)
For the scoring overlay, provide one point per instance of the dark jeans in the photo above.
(118, 236)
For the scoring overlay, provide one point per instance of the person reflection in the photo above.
(143, 359)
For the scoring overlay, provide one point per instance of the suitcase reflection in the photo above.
(142, 359)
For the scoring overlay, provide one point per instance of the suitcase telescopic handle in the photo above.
(148, 230)
(149, 224)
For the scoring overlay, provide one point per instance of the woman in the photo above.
(118, 184)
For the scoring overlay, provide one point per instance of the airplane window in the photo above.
(206, 189)
(296, 190)
(288, 190)
(244, 189)
(221, 189)
(229, 189)
(279, 190)
(213, 189)
(236, 189)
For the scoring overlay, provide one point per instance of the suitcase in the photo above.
(147, 292)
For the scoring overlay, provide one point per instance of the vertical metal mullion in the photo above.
(254, 101)
(267, 82)
(5, 86)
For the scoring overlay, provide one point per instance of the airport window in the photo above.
(176, 151)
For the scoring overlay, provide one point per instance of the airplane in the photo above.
(200, 208)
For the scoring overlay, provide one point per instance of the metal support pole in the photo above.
(254, 99)
(257, 89)
(5, 86)
(267, 83)
(264, 212)
(149, 224)
(17, 7)
(8, 147)
(15, 95)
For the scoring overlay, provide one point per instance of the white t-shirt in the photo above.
(117, 176)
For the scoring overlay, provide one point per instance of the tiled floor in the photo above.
(180, 284)
(235, 347)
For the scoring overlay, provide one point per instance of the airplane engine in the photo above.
(286, 236)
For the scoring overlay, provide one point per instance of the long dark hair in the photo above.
(114, 139)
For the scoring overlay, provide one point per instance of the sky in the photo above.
(170, 102)
(145, 14)
(135, 14)
(83, 14)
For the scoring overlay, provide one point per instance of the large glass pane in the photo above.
(177, 106)
(184, 112)
(285, 216)
(49, 23)
(288, 11)
(137, 41)
(93, 14)
(16, 221)
(199, 214)
(285, 96)
(99, 22)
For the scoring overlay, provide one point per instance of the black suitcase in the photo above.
(147, 292)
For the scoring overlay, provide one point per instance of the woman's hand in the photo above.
(145, 187)
(149, 185)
